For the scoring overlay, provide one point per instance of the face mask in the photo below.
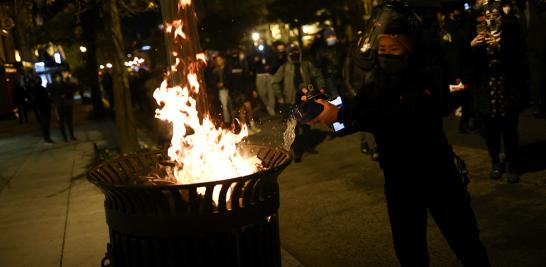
(392, 64)
(506, 10)
(331, 41)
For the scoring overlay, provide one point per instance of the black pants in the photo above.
(65, 119)
(447, 201)
(23, 113)
(44, 115)
(507, 127)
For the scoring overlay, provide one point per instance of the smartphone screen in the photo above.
(337, 126)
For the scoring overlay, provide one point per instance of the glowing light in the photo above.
(261, 47)
(109, 65)
(101, 67)
(255, 36)
(39, 66)
(83, 49)
(57, 57)
(17, 56)
(145, 48)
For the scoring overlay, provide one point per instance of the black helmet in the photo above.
(391, 17)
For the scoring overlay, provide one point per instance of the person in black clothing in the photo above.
(457, 58)
(22, 101)
(330, 59)
(280, 56)
(498, 52)
(238, 80)
(62, 92)
(402, 106)
(42, 106)
(290, 82)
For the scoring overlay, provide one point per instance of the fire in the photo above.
(202, 151)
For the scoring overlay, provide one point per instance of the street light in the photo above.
(83, 49)
(17, 56)
(101, 67)
(255, 36)
(109, 65)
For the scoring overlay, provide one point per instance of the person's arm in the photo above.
(356, 116)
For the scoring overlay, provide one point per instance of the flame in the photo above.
(183, 3)
(202, 151)
(176, 25)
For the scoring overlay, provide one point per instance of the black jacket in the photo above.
(405, 117)
(509, 54)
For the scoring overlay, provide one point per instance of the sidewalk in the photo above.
(50, 215)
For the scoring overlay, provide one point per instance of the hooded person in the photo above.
(402, 106)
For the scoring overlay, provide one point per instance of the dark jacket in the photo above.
(237, 77)
(283, 80)
(330, 59)
(509, 56)
(405, 116)
(62, 94)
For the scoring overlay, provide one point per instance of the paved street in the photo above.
(332, 204)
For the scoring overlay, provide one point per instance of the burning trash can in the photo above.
(153, 221)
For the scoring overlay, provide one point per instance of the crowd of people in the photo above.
(418, 67)
(57, 98)
(496, 54)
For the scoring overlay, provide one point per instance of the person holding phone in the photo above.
(497, 52)
(403, 107)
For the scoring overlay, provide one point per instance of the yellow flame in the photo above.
(202, 152)
(176, 25)
(183, 3)
(206, 153)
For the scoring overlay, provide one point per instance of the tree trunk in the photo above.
(127, 134)
(23, 29)
(89, 24)
(186, 48)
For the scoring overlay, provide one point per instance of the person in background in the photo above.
(22, 100)
(62, 92)
(401, 105)
(457, 58)
(330, 59)
(498, 52)
(261, 69)
(280, 56)
(218, 80)
(238, 80)
(289, 82)
(42, 106)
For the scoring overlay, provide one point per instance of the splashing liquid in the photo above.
(290, 132)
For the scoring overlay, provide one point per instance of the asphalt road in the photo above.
(333, 210)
